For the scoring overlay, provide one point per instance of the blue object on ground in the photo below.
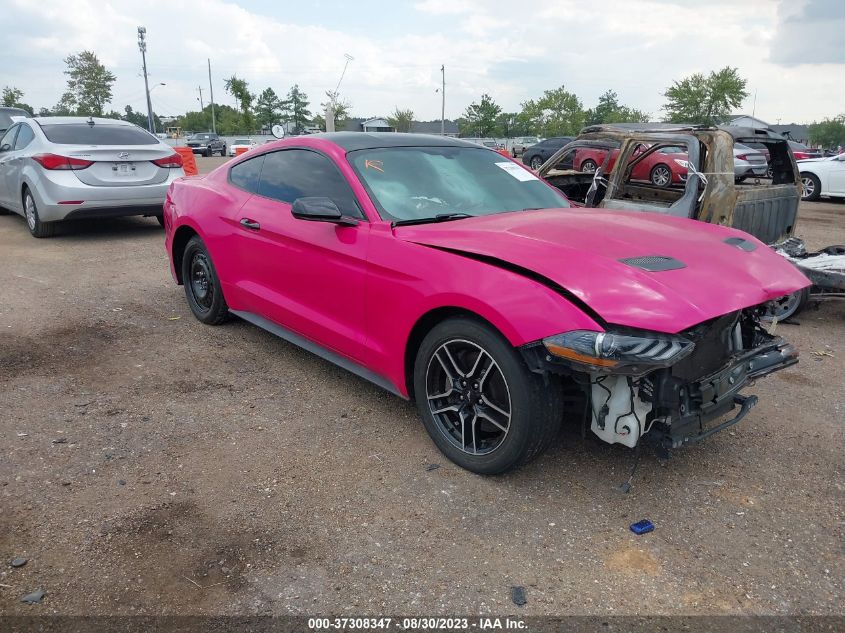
(641, 527)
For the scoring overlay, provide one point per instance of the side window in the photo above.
(298, 173)
(25, 136)
(9, 137)
(246, 175)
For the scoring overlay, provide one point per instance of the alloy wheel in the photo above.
(661, 176)
(468, 397)
(536, 163)
(809, 187)
(31, 213)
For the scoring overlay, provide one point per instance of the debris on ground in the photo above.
(642, 527)
(518, 596)
(60, 440)
(431, 467)
(19, 561)
(34, 597)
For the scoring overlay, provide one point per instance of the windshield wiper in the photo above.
(440, 217)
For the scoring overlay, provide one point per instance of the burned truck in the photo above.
(698, 172)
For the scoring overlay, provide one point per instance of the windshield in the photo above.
(241, 141)
(409, 183)
(201, 137)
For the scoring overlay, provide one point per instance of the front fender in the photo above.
(400, 296)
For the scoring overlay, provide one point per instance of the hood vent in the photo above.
(654, 263)
(741, 243)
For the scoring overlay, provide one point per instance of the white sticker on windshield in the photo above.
(516, 171)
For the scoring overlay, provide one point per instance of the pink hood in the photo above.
(580, 250)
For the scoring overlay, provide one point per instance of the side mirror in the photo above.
(5, 148)
(319, 209)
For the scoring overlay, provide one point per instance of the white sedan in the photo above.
(823, 177)
(246, 143)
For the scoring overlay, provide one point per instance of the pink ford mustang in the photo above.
(449, 274)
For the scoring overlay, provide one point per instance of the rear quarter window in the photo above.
(97, 134)
(246, 175)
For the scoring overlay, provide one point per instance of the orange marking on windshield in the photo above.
(374, 164)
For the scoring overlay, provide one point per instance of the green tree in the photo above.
(295, 107)
(707, 100)
(341, 113)
(268, 108)
(609, 110)
(829, 133)
(480, 118)
(138, 118)
(401, 120)
(89, 85)
(557, 113)
(11, 96)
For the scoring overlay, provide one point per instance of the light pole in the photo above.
(142, 46)
(161, 83)
(332, 104)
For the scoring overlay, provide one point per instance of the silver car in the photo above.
(749, 162)
(63, 168)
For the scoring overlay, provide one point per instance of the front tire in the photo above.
(202, 285)
(787, 306)
(207, 153)
(223, 152)
(661, 176)
(812, 187)
(588, 166)
(33, 222)
(479, 403)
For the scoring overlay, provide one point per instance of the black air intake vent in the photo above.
(654, 263)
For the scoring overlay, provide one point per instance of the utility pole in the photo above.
(202, 107)
(211, 90)
(442, 100)
(142, 45)
(331, 106)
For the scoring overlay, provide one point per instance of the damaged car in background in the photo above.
(745, 178)
(453, 276)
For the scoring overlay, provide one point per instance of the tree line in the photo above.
(702, 99)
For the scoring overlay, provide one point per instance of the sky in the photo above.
(792, 52)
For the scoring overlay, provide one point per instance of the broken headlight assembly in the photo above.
(617, 353)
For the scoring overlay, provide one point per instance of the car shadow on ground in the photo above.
(97, 229)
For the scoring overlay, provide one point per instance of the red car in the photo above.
(447, 273)
(660, 167)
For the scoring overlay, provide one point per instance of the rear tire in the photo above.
(223, 152)
(588, 166)
(36, 227)
(536, 163)
(479, 403)
(202, 285)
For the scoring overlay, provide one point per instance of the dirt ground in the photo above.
(154, 465)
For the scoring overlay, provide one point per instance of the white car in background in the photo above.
(64, 168)
(823, 177)
(246, 143)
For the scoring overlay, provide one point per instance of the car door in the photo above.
(14, 167)
(7, 156)
(307, 276)
(836, 176)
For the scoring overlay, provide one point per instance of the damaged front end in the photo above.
(671, 388)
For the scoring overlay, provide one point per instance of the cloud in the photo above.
(811, 33)
(634, 47)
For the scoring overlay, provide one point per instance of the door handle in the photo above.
(250, 224)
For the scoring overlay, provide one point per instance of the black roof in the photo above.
(351, 141)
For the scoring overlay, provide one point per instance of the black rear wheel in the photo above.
(202, 285)
(480, 404)
(536, 163)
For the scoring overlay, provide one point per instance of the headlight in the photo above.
(608, 352)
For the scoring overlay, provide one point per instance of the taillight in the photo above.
(742, 156)
(54, 162)
(174, 160)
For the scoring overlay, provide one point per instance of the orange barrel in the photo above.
(189, 163)
(240, 150)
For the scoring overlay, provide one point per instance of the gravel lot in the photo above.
(151, 464)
